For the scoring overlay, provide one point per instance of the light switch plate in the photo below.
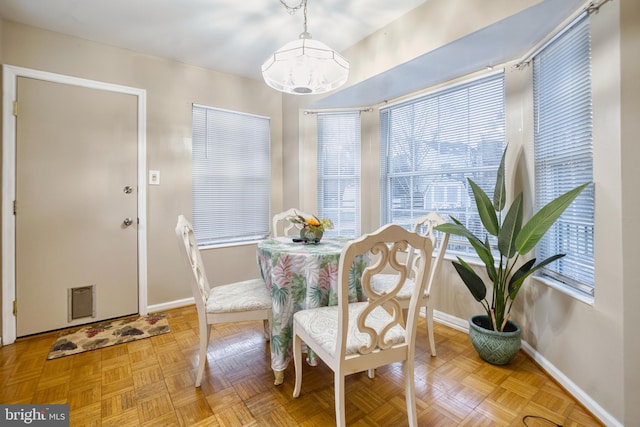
(154, 177)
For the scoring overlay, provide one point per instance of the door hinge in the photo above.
(15, 207)
(15, 108)
(15, 307)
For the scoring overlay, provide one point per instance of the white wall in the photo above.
(172, 88)
(629, 12)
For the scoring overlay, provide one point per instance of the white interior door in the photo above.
(76, 155)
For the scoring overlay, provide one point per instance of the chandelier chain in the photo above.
(292, 10)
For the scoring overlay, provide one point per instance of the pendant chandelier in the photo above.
(305, 66)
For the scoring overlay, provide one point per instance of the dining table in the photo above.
(302, 276)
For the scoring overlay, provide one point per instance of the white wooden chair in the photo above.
(423, 225)
(362, 336)
(280, 222)
(234, 302)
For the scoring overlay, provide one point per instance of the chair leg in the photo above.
(266, 324)
(205, 332)
(297, 362)
(429, 319)
(410, 392)
(341, 420)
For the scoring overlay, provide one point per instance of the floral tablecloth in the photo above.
(299, 277)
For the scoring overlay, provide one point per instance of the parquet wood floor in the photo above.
(150, 382)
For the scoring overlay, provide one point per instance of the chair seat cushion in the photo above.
(383, 282)
(322, 325)
(240, 296)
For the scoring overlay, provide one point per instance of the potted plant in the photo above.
(311, 228)
(494, 335)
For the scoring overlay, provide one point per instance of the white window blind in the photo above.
(431, 145)
(563, 152)
(231, 176)
(339, 171)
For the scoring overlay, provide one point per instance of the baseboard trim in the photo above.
(171, 304)
(580, 395)
(548, 367)
(451, 321)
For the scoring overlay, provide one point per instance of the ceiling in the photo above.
(506, 40)
(226, 35)
(236, 37)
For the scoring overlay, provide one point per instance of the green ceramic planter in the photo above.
(497, 348)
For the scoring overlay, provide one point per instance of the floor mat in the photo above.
(107, 333)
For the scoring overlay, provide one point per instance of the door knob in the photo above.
(127, 222)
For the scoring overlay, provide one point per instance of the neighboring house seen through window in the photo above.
(432, 144)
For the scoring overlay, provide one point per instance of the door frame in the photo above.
(10, 76)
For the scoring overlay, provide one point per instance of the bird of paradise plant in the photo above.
(514, 240)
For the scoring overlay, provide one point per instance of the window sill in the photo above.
(229, 245)
(554, 284)
(567, 290)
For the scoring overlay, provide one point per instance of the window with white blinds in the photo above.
(339, 171)
(563, 152)
(231, 174)
(432, 144)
